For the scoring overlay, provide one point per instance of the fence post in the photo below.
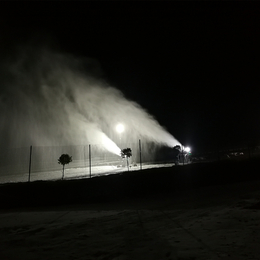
(140, 150)
(85, 165)
(89, 161)
(30, 162)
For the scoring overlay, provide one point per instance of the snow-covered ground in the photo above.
(80, 172)
(203, 224)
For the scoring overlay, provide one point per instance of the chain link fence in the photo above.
(36, 163)
(41, 162)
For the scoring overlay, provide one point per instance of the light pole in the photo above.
(186, 150)
(183, 155)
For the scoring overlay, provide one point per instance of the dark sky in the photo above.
(195, 68)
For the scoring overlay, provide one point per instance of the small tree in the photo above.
(64, 159)
(176, 154)
(126, 153)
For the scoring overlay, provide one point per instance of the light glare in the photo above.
(187, 149)
(120, 128)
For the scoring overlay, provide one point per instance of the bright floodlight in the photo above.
(187, 149)
(120, 128)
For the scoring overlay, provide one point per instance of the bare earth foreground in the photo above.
(207, 211)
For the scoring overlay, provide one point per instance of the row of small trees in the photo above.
(66, 159)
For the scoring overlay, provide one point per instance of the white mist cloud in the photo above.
(48, 98)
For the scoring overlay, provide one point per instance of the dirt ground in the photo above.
(216, 222)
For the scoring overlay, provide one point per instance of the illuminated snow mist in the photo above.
(49, 98)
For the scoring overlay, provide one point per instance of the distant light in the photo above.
(120, 128)
(187, 149)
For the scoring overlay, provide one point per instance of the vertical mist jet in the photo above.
(48, 98)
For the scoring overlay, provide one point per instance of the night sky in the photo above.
(195, 68)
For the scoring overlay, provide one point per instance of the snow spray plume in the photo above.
(48, 99)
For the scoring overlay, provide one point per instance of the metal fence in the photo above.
(41, 162)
